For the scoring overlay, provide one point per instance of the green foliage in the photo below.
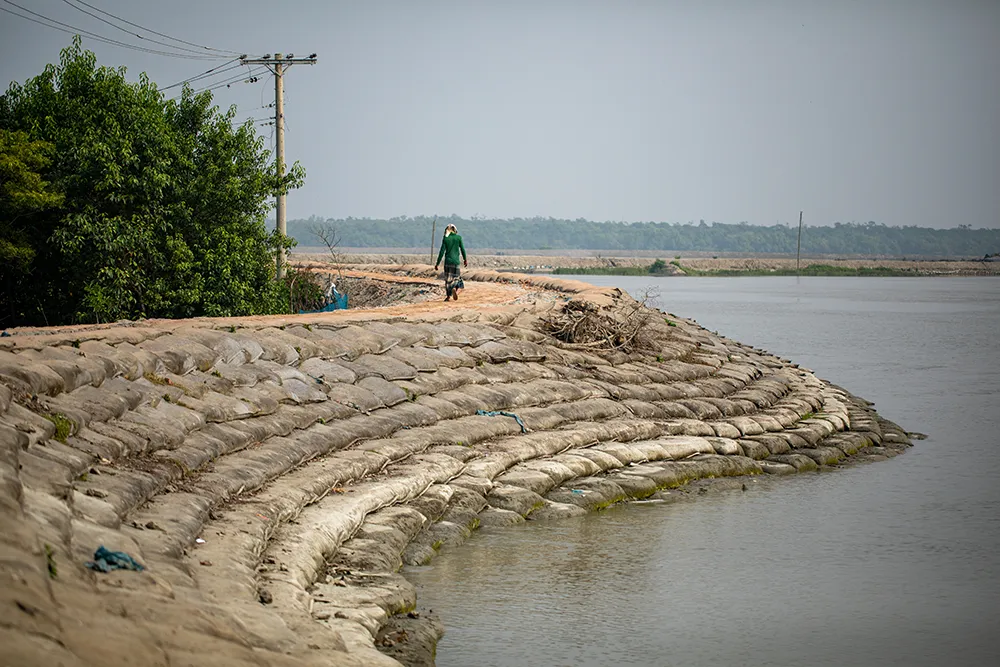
(865, 238)
(23, 193)
(659, 266)
(305, 291)
(64, 427)
(161, 203)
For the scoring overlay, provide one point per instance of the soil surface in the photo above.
(427, 296)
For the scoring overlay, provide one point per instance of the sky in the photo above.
(670, 111)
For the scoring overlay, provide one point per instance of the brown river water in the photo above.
(892, 563)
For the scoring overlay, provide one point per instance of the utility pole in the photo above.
(433, 236)
(798, 245)
(278, 64)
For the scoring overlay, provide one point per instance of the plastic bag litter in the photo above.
(106, 561)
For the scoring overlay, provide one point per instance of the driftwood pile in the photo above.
(623, 325)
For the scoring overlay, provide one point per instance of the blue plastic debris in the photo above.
(500, 413)
(106, 561)
(336, 301)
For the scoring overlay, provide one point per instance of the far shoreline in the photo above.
(676, 265)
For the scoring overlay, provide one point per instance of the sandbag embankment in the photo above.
(270, 477)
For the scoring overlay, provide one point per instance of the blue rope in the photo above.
(501, 413)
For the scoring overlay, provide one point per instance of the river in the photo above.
(892, 563)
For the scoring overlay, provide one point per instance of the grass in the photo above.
(156, 379)
(63, 426)
(657, 268)
(602, 271)
(50, 561)
(809, 270)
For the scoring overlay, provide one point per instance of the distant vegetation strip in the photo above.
(868, 238)
(658, 268)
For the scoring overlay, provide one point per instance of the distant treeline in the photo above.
(851, 238)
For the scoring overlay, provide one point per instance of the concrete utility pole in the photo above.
(433, 236)
(278, 64)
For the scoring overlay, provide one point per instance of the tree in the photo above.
(163, 201)
(23, 193)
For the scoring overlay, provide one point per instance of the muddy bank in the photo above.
(272, 475)
(693, 262)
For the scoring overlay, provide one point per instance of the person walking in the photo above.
(451, 246)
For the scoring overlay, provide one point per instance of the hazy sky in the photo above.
(724, 110)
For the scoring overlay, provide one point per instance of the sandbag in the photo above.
(384, 390)
(327, 370)
(384, 366)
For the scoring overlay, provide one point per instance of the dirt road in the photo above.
(478, 296)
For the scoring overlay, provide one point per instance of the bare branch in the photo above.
(328, 236)
(622, 325)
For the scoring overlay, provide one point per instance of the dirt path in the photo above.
(477, 296)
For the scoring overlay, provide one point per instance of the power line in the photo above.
(238, 122)
(207, 73)
(72, 30)
(135, 34)
(150, 30)
(262, 88)
(250, 77)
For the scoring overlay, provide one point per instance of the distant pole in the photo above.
(798, 246)
(433, 235)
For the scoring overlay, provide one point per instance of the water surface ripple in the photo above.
(893, 563)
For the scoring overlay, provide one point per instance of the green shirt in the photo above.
(450, 247)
